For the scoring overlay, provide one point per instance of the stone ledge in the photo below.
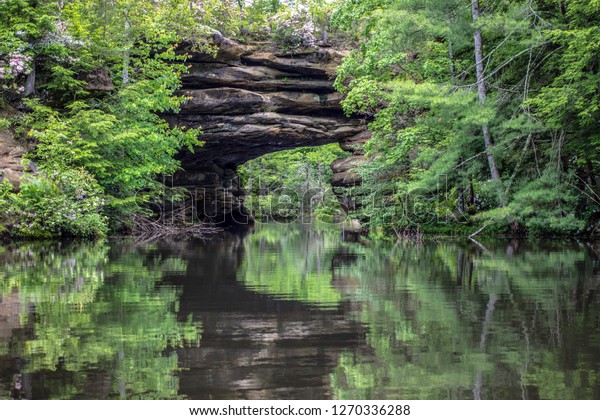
(11, 154)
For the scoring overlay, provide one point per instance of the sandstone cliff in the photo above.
(250, 102)
(11, 154)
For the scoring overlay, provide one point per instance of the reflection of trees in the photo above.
(93, 324)
(446, 321)
(293, 263)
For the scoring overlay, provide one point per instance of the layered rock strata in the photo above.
(345, 178)
(11, 154)
(248, 103)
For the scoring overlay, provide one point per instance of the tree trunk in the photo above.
(471, 196)
(451, 57)
(262, 186)
(482, 93)
(320, 178)
(125, 72)
(30, 81)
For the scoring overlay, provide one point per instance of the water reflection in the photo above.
(264, 340)
(292, 264)
(460, 321)
(84, 322)
(292, 311)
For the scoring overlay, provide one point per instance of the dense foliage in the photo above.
(484, 113)
(95, 75)
(91, 77)
(292, 184)
(68, 202)
(509, 141)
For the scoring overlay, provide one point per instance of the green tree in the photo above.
(23, 24)
(436, 77)
(292, 184)
(117, 137)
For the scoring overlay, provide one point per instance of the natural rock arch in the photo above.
(250, 102)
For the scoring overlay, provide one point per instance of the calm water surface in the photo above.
(292, 311)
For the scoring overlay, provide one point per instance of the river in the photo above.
(294, 311)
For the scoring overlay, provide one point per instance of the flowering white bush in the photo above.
(60, 35)
(294, 28)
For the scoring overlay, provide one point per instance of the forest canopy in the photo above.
(485, 113)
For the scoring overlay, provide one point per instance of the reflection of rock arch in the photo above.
(10, 311)
(254, 345)
(249, 103)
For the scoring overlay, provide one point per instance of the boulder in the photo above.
(234, 101)
(11, 154)
(346, 179)
(258, 78)
(352, 226)
(317, 62)
(98, 80)
(225, 50)
(346, 164)
(232, 140)
(356, 143)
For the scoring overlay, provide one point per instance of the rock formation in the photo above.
(344, 176)
(11, 154)
(248, 103)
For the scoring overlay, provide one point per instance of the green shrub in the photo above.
(63, 204)
(545, 206)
